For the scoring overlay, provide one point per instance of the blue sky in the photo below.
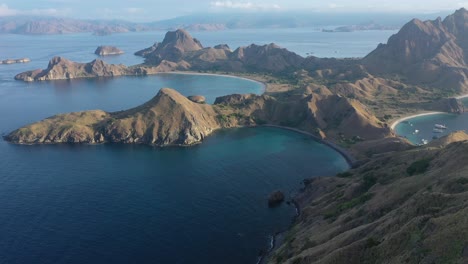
(151, 10)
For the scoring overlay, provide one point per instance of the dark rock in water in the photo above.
(275, 198)
(197, 99)
(107, 50)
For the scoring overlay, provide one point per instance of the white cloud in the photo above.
(6, 11)
(243, 5)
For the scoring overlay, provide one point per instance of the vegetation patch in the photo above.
(418, 167)
(340, 208)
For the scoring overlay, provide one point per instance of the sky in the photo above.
(153, 10)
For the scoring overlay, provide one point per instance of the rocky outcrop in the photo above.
(62, 69)
(197, 99)
(167, 119)
(12, 61)
(275, 198)
(108, 50)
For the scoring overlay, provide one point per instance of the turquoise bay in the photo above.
(138, 204)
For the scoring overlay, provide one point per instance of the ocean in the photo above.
(139, 204)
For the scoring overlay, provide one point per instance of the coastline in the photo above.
(263, 84)
(399, 120)
(352, 162)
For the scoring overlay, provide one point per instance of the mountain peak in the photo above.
(182, 40)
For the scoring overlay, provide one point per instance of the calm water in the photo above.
(137, 204)
(425, 125)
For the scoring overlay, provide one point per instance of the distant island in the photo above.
(108, 50)
(12, 61)
(361, 27)
(195, 22)
(399, 202)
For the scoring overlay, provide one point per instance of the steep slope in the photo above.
(401, 207)
(174, 45)
(427, 53)
(167, 119)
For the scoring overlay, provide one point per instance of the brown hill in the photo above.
(62, 69)
(167, 119)
(429, 53)
(401, 207)
(178, 46)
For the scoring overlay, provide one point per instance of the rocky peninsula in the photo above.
(62, 69)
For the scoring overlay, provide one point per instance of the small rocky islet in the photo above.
(108, 51)
(402, 204)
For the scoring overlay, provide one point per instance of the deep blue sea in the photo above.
(138, 204)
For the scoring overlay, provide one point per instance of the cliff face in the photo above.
(62, 69)
(401, 207)
(167, 119)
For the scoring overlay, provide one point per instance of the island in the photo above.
(398, 203)
(108, 50)
(13, 61)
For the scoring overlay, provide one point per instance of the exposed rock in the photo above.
(62, 69)
(12, 61)
(222, 46)
(107, 50)
(275, 198)
(147, 51)
(197, 99)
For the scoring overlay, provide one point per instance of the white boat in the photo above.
(424, 141)
(439, 126)
(415, 132)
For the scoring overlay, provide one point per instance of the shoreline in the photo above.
(263, 84)
(399, 120)
(352, 162)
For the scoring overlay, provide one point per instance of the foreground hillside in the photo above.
(401, 207)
